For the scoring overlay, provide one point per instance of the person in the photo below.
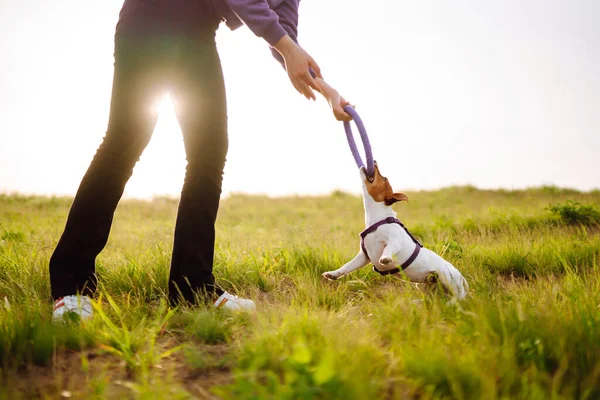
(160, 46)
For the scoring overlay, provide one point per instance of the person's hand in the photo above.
(297, 64)
(337, 104)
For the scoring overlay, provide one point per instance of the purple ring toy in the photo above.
(370, 167)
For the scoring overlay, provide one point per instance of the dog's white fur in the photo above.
(390, 245)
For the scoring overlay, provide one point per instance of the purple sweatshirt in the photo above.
(268, 19)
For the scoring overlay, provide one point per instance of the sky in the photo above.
(495, 94)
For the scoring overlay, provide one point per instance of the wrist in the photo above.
(327, 91)
(285, 45)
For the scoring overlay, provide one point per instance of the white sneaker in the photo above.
(70, 306)
(234, 303)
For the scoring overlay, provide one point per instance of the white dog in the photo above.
(388, 245)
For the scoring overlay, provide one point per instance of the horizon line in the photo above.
(551, 188)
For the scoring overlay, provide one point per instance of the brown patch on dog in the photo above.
(381, 190)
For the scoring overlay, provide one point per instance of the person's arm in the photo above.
(288, 18)
(287, 12)
(269, 25)
(280, 30)
(259, 18)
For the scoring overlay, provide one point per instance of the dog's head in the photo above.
(379, 188)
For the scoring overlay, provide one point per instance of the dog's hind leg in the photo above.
(357, 262)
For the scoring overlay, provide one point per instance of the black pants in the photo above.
(157, 50)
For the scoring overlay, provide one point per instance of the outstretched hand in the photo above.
(337, 104)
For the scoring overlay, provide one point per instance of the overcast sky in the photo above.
(490, 93)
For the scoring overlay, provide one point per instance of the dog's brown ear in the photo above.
(394, 197)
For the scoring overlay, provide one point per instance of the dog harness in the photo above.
(373, 228)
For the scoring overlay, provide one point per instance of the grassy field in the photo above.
(530, 330)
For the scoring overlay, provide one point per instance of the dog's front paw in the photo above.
(331, 275)
(385, 260)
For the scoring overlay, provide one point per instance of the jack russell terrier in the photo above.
(390, 247)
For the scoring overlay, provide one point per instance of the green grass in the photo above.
(530, 330)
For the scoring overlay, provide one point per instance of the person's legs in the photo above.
(198, 92)
(138, 81)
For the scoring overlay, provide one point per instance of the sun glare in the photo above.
(161, 168)
(163, 105)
